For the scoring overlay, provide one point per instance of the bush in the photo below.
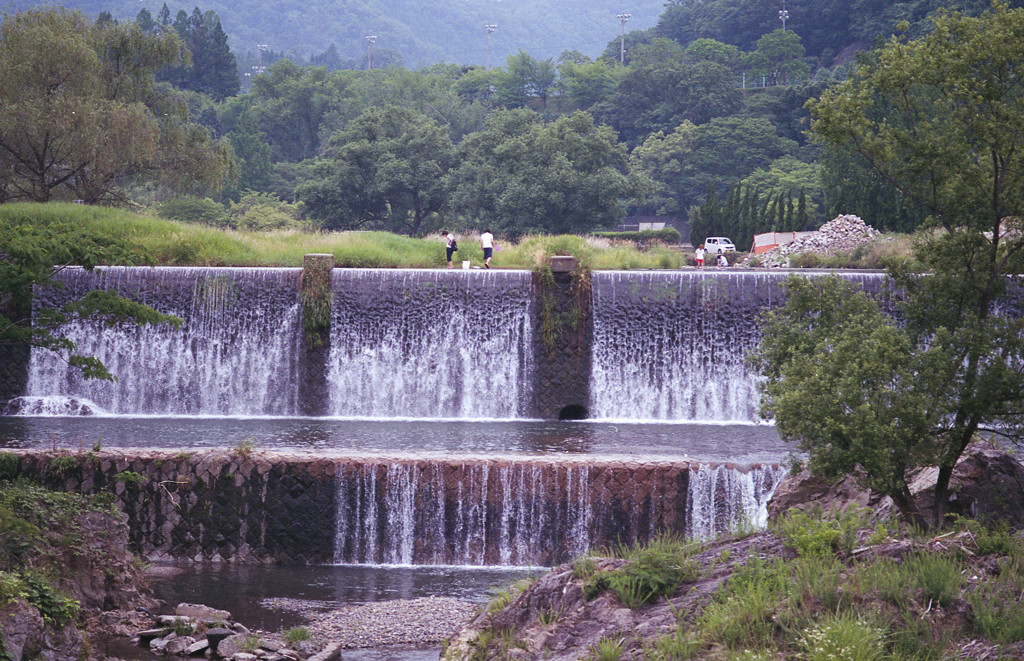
(667, 234)
(296, 635)
(813, 534)
(262, 212)
(655, 570)
(844, 637)
(194, 210)
(10, 465)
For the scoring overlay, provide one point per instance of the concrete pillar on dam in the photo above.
(14, 357)
(563, 334)
(317, 300)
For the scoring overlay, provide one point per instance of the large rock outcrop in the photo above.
(84, 548)
(987, 484)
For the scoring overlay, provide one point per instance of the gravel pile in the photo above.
(839, 235)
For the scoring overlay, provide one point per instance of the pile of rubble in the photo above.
(839, 235)
(195, 631)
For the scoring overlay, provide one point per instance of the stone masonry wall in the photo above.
(277, 508)
(212, 507)
(562, 349)
(13, 370)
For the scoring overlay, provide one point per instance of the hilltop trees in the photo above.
(939, 118)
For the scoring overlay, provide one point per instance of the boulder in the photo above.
(987, 484)
(201, 612)
(25, 635)
(804, 491)
(216, 636)
(232, 645)
(197, 647)
(179, 644)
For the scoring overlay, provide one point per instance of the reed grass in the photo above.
(172, 243)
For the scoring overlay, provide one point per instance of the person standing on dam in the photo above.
(487, 243)
(450, 247)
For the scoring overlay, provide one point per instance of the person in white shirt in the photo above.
(487, 243)
(698, 254)
(450, 246)
(722, 261)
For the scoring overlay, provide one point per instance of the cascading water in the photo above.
(721, 497)
(673, 345)
(537, 512)
(471, 512)
(235, 353)
(431, 344)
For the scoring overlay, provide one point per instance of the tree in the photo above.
(33, 249)
(939, 117)
(586, 83)
(290, 104)
(779, 58)
(523, 79)
(80, 114)
(659, 98)
(385, 170)
(663, 160)
(843, 383)
(520, 175)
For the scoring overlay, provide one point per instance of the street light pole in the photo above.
(491, 27)
(622, 37)
(370, 40)
(783, 15)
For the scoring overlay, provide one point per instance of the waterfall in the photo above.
(431, 344)
(722, 498)
(234, 355)
(461, 512)
(476, 511)
(673, 345)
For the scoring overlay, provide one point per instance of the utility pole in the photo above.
(491, 27)
(783, 15)
(622, 37)
(370, 40)
(262, 48)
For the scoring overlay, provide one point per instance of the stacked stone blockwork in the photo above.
(565, 330)
(277, 508)
(208, 507)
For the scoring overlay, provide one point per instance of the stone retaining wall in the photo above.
(207, 506)
(268, 507)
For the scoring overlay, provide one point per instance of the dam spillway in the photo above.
(425, 344)
(673, 345)
(404, 510)
(235, 353)
(442, 347)
(430, 344)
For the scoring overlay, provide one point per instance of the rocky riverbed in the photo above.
(400, 622)
(196, 630)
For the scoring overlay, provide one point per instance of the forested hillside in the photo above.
(414, 33)
(701, 119)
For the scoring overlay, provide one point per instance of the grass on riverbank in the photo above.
(839, 588)
(171, 243)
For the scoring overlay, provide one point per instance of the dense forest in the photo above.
(700, 118)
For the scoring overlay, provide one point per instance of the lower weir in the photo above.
(266, 507)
